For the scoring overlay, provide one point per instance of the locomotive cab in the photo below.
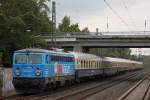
(27, 65)
(28, 71)
(36, 69)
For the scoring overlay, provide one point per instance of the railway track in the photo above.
(81, 94)
(139, 91)
(91, 91)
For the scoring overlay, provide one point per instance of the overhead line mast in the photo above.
(53, 22)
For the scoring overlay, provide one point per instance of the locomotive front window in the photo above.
(28, 59)
(35, 59)
(21, 59)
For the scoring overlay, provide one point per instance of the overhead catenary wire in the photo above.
(129, 14)
(122, 20)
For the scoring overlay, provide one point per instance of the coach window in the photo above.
(62, 59)
(65, 59)
(81, 64)
(96, 64)
(93, 64)
(77, 62)
(84, 64)
(48, 59)
(90, 64)
(99, 64)
(52, 58)
(87, 64)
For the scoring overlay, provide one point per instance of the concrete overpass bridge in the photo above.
(84, 41)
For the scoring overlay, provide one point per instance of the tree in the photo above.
(74, 28)
(19, 21)
(67, 26)
(112, 52)
(85, 30)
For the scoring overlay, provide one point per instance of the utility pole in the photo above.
(53, 39)
(107, 24)
(145, 25)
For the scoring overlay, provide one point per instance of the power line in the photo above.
(129, 14)
(122, 20)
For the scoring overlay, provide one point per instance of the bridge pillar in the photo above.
(81, 49)
(78, 49)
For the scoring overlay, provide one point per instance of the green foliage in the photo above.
(66, 26)
(20, 21)
(85, 29)
(112, 52)
(146, 60)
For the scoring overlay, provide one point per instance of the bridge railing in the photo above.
(94, 34)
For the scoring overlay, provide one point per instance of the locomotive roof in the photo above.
(37, 50)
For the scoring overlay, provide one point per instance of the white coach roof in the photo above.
(85, 56)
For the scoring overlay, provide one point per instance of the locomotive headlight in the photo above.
(37, 72)
(17, 72)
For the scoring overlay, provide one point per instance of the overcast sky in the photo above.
(93, 14)
(96, 14)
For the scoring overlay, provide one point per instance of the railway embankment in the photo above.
(7, 88)
(1, 81)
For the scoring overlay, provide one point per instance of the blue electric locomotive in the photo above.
(38, 68)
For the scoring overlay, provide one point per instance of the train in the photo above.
(39, 69)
